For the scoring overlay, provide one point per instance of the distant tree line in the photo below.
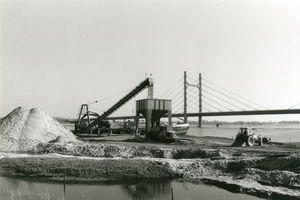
(292, 122)
(242, 122)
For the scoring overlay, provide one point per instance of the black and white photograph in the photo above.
(149, 99)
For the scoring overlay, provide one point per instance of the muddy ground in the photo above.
(270, 171)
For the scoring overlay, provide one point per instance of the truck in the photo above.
(162, 134)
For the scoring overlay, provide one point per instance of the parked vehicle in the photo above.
(162, 134)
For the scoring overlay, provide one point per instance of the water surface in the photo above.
(20, 188)
(278, 132)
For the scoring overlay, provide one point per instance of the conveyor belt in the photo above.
(120, 103)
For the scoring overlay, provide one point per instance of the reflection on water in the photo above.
(148, 189)
(16, 188)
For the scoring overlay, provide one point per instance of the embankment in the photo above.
(124, 151)
(57, 168)
(267, 175)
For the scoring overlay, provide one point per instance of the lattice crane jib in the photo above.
(150, 89)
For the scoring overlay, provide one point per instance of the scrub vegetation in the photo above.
(81, 169)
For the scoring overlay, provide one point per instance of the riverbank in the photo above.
(71, 169)
(269, 171)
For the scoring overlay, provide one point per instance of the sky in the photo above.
(59, 54)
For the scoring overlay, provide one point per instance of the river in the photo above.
(27, 189)
(278, 132)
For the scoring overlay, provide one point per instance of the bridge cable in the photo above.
(177, 105)
(204, 108)
(194, 83)
(224, 100)
(192, 79)
(231, 97)
(293, 106)
(194, 103)
(195, 92)
(178, 102)
(212, 106)
(178, 98)
(178, 88)
(177, 95)
(171, 88)
(174, 106)
(218, 103)
(179, 109)
(192, 98)
(235, 94)
(193, 109)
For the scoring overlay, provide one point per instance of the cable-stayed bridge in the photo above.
(201, 98)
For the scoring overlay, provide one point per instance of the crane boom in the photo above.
(148, 82)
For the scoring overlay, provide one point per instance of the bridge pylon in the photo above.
(199, 86)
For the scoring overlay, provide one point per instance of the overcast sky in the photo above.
(59, 54)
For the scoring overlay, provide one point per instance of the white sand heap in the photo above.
(23, 129)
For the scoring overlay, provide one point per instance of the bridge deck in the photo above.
(228, 113)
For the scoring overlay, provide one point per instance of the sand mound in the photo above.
(58, 140)
(23, 129)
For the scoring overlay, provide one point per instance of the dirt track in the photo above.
(200, 142)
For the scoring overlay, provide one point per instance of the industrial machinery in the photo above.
(85, 118)
(152, 110)
(84, 124)
(162, 134)
(247, 135)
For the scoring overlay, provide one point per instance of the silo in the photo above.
(153, 110)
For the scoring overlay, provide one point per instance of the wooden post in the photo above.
(185, 99)
(64, 180)
(200, 101)
(64, 175)
(172, 193)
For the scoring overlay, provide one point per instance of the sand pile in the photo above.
(23, 129)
